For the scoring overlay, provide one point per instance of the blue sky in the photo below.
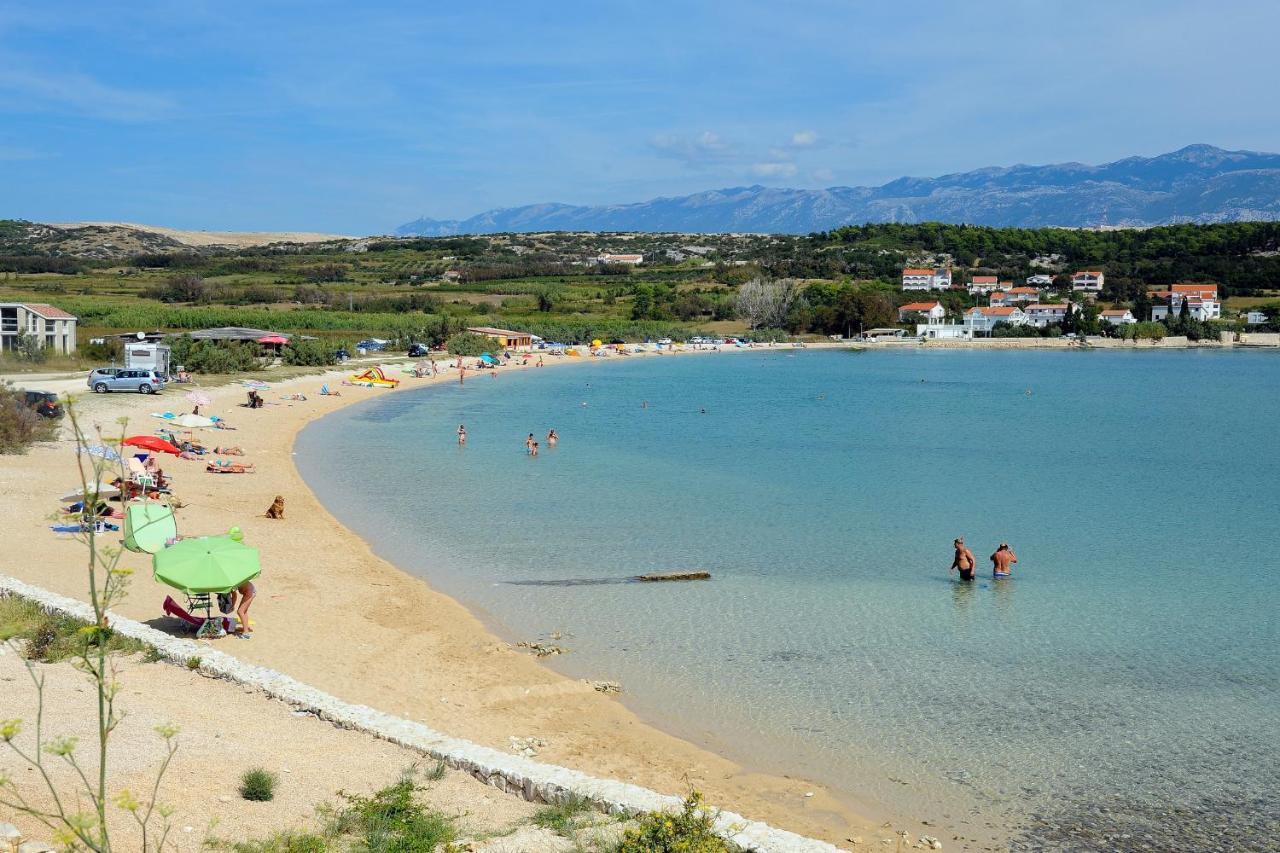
(354, 118)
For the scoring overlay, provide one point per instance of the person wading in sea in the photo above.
(1002, 561)
(964, 561)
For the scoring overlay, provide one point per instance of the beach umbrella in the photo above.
(193, 421)
(206, 564)
(597, 342)
(101, 491)
(101, 451)
(149, 526)
(150, 442)
(199, 398)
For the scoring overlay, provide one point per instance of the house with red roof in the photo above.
(1118, 317)
(1088, 281)
(926, 278)
(1202, 302)
(1044, 315)
(51, 328)
(931, 312)
(983, 284)
(1020, 295)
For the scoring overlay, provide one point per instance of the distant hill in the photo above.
(1199, 183)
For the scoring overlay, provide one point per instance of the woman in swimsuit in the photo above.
(462, 434)
(552, 438)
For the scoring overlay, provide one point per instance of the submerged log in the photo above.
(676, 576)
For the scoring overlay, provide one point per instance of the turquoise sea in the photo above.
(1122, 691)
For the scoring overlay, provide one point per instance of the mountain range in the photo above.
(1199, 183)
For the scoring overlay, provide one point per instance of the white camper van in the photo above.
(143, 356)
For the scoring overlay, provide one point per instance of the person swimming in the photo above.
(963, 561)
(552, 438)
(462, 434)
(1002, 561)
(528, 442)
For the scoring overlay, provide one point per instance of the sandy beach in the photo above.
(331, 613)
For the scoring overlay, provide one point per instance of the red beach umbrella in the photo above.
(273, 339)
(150, 442)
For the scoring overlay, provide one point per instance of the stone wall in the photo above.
(534, 781)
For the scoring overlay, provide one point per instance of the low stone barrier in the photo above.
(534, 781)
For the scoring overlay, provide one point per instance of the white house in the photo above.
(980, 320)
(606, 258)
(1197, 308)
(943, 331)
(1043, 315)
(1118, 317)
(52, 328)
(1089, 281)
(924, 278)
(1254, 318)
(932, 312)
(997, 298)
(1039, 280)
(983, 284)
(1021, 295)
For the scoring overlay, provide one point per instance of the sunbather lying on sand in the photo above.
(228, 451)
(224, 467)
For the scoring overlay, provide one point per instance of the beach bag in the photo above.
(224, 602)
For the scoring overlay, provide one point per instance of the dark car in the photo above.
(418, 350)
(44, 403)
(342, 355)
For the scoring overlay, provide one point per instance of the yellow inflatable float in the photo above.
(373, 378)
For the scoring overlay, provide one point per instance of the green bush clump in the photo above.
(469, 343)
(691, 830)
(310, 353)
(215, 356)
(51, 638)
(258, 785)
(20, 426)
(393, 820)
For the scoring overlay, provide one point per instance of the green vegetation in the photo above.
(50, 637)
(564, 817)
(691, 830)
(426, 290)
(20, 426)
(258, 785)
(470, 344)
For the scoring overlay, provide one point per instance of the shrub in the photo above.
(690, 831)
(27, 348)
(562, 818)
(392, 820)
(20, 427)
(310, 353)
(51, 638)
(258, 785)
(468, 343)
(215, 356)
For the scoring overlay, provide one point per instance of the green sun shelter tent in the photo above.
(148, 526)
(206, 564)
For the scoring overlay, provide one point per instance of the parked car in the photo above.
(44, 403)
(342, 355)
(372, 345)
(142, 381)
(418, 350)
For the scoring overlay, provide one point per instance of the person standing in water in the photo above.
(533, 449)
(1002, 561)
(552, 438)
(462, 434)
(963, 561)
(462, 372)
(528, 443)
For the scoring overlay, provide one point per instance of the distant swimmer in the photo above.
(1002, 561)
(645, 404)
(533, 450)
(704, 411)
(963, 561)
(528, 442)
(552, 438)
(462, 435)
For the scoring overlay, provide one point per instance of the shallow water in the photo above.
(1127, 676)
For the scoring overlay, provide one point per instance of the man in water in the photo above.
(1002, 561)
(963, 561)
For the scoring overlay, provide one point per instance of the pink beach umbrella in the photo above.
(199, 398)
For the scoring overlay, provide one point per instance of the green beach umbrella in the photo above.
(148, 527)
(207, 564)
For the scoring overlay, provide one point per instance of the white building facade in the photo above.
(924, 278)
(1088, 281)
(51, 328)
(980, 320)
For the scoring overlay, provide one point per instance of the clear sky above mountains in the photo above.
(355, 118)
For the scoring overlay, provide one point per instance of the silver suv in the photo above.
(106, 379)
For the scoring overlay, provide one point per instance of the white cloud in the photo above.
(706, 147)
(804, 139)
(824, 175)
(773, 170)
(81, 94)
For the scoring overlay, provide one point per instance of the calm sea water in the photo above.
(1126, 682)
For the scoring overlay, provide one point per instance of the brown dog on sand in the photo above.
(276, 509)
